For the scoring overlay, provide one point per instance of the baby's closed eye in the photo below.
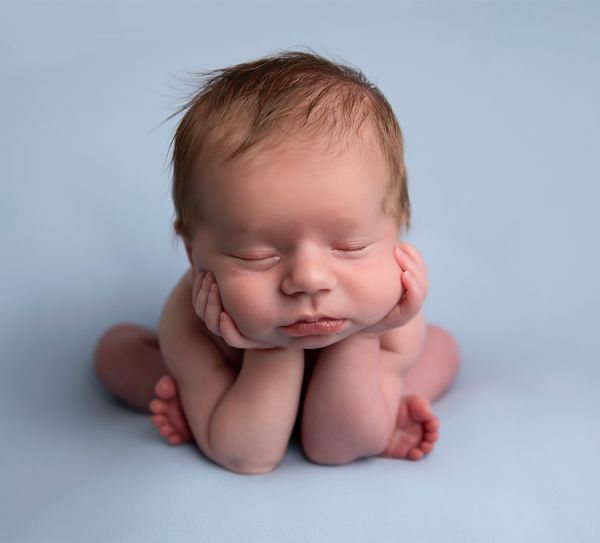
(257, 260)
(266, 258)
(352, 249)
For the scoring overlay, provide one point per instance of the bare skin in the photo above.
(303, 305)
(128, 359)
(417, 428)
(167, 413)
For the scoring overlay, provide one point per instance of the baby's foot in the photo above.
(416, 429)
(167, 413)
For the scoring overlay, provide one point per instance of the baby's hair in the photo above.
(236, 108)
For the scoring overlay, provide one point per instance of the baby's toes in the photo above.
(166, 430)
(175, 440)
(431, 432)
(432, 425)
(431, 437)
(426, 447)
(418, 452)
(415, 454)
(420, 409)
(165, 388)
(158, 407)
(177, 418)
(159, 420)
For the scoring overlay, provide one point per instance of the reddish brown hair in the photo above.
(238, 107)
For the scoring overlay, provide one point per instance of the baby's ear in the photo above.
(178, 227)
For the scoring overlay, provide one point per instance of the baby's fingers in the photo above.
(213, 310)
(200, 292)
(196, 283)
(415, 255)
(421, 266)
(414, 296)
(409, 259)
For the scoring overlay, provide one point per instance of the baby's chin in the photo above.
(314, 341)
(317, 341)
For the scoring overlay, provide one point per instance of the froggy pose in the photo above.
(302, 307)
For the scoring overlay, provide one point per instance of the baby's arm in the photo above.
(352, 400)
(415, 285)
(206, 301)
(240, 419)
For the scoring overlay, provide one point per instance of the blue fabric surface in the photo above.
(499, 106)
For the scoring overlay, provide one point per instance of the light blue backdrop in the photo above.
(499, 106)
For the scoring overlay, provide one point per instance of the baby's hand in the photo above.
(415, 285)
(207, 304)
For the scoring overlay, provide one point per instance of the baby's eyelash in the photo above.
(357, 249)
(258, 259)
(257, 263)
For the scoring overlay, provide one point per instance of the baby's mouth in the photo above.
(318, 326)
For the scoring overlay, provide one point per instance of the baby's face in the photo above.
(297, 234)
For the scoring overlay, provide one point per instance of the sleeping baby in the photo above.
(302, 310)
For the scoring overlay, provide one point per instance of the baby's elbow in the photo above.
(245, 463)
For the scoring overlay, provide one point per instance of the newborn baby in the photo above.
(302, 308)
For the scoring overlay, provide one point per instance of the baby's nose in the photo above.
(307, 275)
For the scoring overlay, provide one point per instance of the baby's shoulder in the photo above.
(180, 329)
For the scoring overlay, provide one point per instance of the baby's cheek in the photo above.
(383, 291)
(246, 303)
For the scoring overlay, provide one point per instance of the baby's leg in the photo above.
(128, 362)
(351, 402)
(437, 366)
(357, 404)
(431, 375)
(167, 412)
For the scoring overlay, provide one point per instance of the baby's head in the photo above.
(289, 185)
(295, 97)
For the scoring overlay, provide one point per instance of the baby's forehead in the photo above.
(318, 143)
(257, 201)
